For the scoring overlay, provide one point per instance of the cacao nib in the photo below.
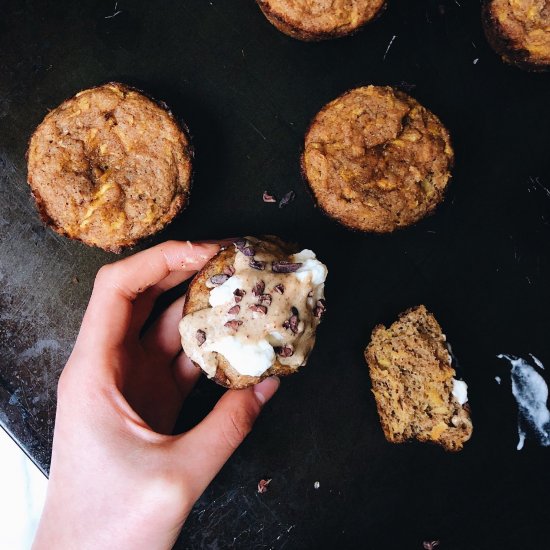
(201, 337)
(234, 310)
(240, 243)
(257, 264)
(319, 308)
(265, 299)
(266, 197)
(219, 279)
(282, 266)
(258, 309)
(259, 288)
(229, 270)
(292, 322)
(243, 246)
(284, 351)
(239, 293)
(262, 485)
(279, 288)
(234, 324)
(288, 198)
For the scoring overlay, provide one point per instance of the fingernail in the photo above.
(265, 390)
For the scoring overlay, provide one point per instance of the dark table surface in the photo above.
(481, 263)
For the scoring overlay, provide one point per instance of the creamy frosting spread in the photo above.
(460, 391)
(268, 309)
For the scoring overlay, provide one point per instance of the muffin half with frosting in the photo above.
(253, 310)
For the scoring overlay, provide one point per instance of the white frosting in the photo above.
(531, 393)
(277, 336)
(311, 267)
(252, 359)
(223, 294)
(460, 391)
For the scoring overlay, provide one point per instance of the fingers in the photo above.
(111, 308)
(185, 374)
(205, 449)
(144, 303)
(163, 339)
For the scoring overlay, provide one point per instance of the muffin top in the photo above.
(253, 311)
(109, 166)
(320, 17)
(525, 25)
(376, 159)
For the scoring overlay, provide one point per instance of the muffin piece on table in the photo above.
(414, 383)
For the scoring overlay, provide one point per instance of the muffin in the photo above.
(320, 19)
(376, 160)
(252, 311)
(519, 31)
(414, 384)
(109, 167)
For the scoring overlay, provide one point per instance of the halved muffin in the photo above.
(414, 384)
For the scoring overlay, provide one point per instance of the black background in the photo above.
(481, 263)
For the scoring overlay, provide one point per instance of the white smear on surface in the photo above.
(316, 485)
(498, 379)
(531, 393)
(41, 345)
(537, 361)
(389, 46)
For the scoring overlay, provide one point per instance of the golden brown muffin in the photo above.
(413, 382)
(312, 20)
(252, 312)
(519, 31)
(109, 167)
(376, 160)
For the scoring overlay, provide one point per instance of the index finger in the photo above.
(117, 285)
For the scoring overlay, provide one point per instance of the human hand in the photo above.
(118, 479)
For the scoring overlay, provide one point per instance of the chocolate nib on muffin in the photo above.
(413, 383)
(376, 160)
(321, 19)
(519, 31)
(109, 167)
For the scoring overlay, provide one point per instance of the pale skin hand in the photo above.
(118, 479)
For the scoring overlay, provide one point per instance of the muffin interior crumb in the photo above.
(413, 380)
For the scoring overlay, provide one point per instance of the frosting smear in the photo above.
(531, 393)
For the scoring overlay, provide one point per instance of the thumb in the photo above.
(205, 449)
